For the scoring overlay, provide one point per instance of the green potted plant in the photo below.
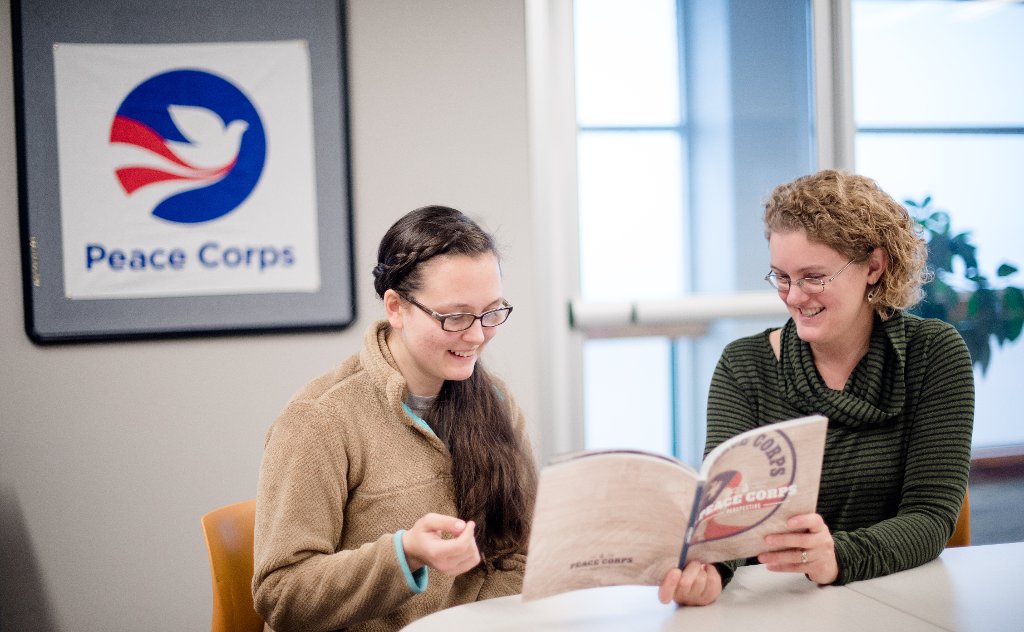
(960, 294)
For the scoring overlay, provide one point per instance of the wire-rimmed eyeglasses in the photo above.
(808, 285)
(462, 322)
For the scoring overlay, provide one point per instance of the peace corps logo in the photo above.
(195, 129)
(740, 498)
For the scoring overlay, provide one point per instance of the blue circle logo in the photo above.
(196, 129)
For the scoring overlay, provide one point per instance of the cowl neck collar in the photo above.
(874, 394)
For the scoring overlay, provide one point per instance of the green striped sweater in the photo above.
(898, 448)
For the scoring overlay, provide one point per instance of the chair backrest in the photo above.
(962, 531)
(229, 535)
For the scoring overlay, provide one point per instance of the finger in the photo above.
(806, 522)
(463, 551)
(458, 547)
(782, 556)
(438, 523)
(685, 585)
(713, 585)
(696, 588)
(457, 555)
(668, 585)
(691, 571)
(458, 559)
(788, 561)
(466, 532)
(784, 541)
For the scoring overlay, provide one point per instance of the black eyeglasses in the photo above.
(462, 322)
(810, 285)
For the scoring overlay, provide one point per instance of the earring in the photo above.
(871, 295)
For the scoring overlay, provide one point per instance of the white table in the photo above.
(971, 588)
(966, 589)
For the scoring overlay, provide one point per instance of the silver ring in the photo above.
(803, 556)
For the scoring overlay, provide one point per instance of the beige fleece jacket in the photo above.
(346, 467)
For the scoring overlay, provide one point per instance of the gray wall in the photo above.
(110, 452)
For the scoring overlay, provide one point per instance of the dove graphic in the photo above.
(208, 154)
(193, 128)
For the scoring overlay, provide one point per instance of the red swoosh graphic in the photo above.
(134, 178)
(131, 132)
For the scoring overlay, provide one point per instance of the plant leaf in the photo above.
(1006, 270)
(940, 255)
(978, 345)
(981, 306)
(1013, 312)
(962, 247)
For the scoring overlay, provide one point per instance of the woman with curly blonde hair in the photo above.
(860, 218)
(898, 389)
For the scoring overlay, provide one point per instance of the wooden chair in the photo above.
(962, 531)
(229, 535)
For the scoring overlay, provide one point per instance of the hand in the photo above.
(441, 542)
(807, 548)
(696, 585)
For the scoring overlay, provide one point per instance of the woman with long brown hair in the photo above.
(402, 481)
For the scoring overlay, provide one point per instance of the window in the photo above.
(939, 110)
(688, 112)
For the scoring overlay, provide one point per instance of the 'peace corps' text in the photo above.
(211, 255)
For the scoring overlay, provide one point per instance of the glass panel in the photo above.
(627, 70)
(625, 407)
(975, 178)
(995, 423)
(703, 354)
(938, 63)
(749, 128)
(631, 215)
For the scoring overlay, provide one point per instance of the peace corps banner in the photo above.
(186, 170)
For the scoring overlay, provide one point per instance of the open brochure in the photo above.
(612, 517)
